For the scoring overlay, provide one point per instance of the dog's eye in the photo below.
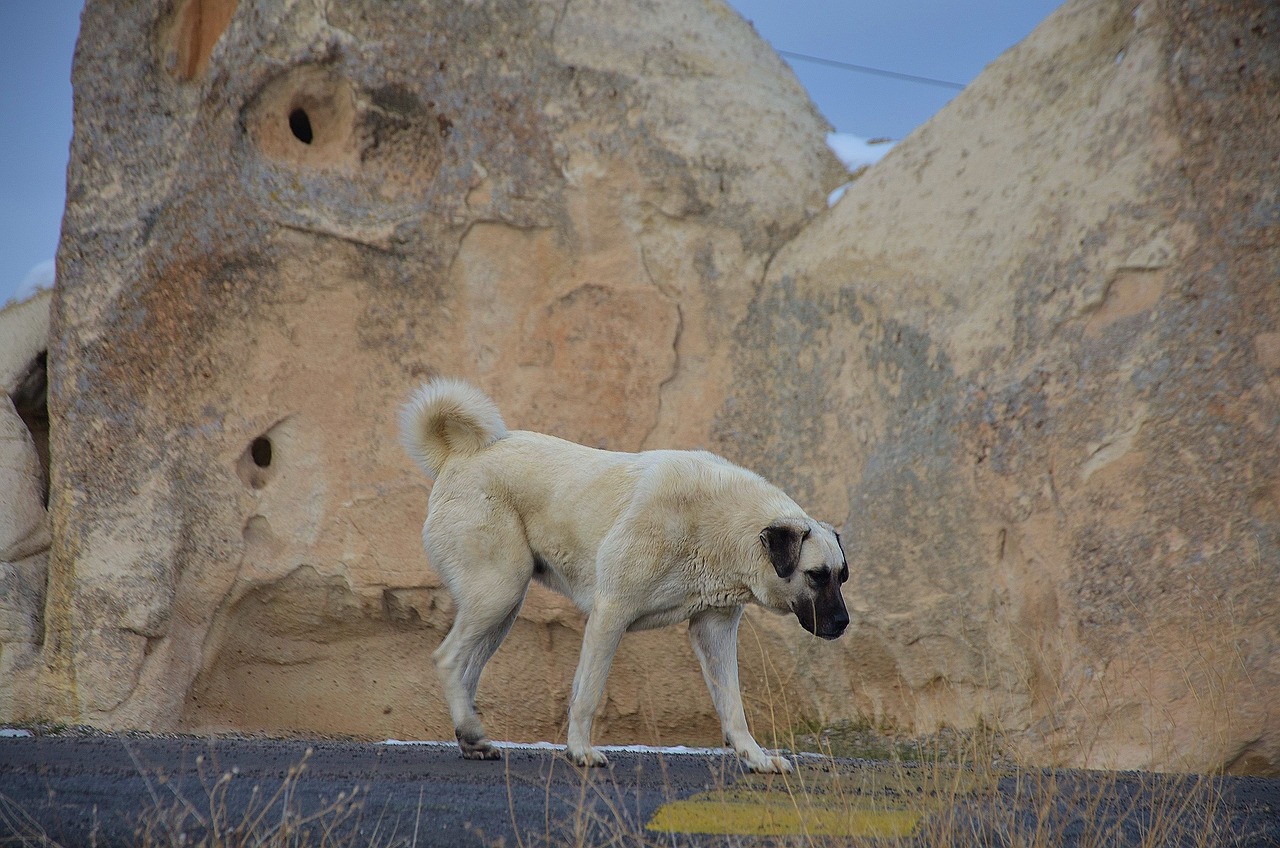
(844, 573)
(817, 578)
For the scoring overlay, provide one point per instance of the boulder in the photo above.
(24, 482)
(1033, 356)
(281, 218)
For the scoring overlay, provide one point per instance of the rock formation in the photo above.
(24, 487)
(282, 217)
(1039, 341)
(1029, 364)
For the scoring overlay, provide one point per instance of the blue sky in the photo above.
(945, 40)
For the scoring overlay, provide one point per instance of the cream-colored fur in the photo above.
(464, 418)
(636, 540)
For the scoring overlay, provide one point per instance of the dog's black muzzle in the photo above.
(824, 615)
(834, 628)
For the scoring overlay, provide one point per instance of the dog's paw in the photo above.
(765, 764)
(478, 749)
(587, 758)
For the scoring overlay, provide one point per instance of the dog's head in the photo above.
(807, 557)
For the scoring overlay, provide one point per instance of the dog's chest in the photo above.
(686, 592)
(677, 613)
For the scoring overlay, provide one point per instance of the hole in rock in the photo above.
(300, 126)
(259, 462)
(260, 452)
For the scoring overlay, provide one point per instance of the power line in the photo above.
(864, 69)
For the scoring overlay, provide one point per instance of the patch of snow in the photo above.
(15, 733)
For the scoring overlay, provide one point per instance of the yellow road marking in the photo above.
(767, 819)
(886, 802)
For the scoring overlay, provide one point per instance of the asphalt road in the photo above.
(120, 791)
(110, 791)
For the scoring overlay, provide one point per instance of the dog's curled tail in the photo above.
(445, 418)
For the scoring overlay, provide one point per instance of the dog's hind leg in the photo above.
(478, 629)
(714, 634)
(488, 585)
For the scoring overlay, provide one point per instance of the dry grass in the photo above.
(965, 791)
(270, 820)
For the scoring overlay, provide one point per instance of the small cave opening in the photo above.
(30, 397)
(259, 462)
(260, 452)
(300, 125)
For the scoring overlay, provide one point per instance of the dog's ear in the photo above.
(782, 539)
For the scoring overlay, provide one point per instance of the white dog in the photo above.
(636, 540)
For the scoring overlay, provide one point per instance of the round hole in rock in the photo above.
(260, 452)
(300, 126)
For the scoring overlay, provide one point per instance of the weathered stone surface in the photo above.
(274, 232)
(24, 474)
(1039, 343)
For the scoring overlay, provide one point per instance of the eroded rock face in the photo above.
(1039, 340)
(24, 487)
(1029, 364)
(283, 216)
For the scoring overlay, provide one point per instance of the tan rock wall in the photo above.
(1038, 335)
(306, 216)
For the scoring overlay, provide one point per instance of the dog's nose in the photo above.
(835, 625)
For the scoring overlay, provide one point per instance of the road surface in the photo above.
(123, 790)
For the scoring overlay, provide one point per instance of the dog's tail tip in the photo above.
(447, 417)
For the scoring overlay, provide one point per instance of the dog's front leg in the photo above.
(599, 643)
(714, 634)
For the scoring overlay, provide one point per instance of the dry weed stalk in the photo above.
(274, 820)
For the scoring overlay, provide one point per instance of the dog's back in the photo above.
(543, 477)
